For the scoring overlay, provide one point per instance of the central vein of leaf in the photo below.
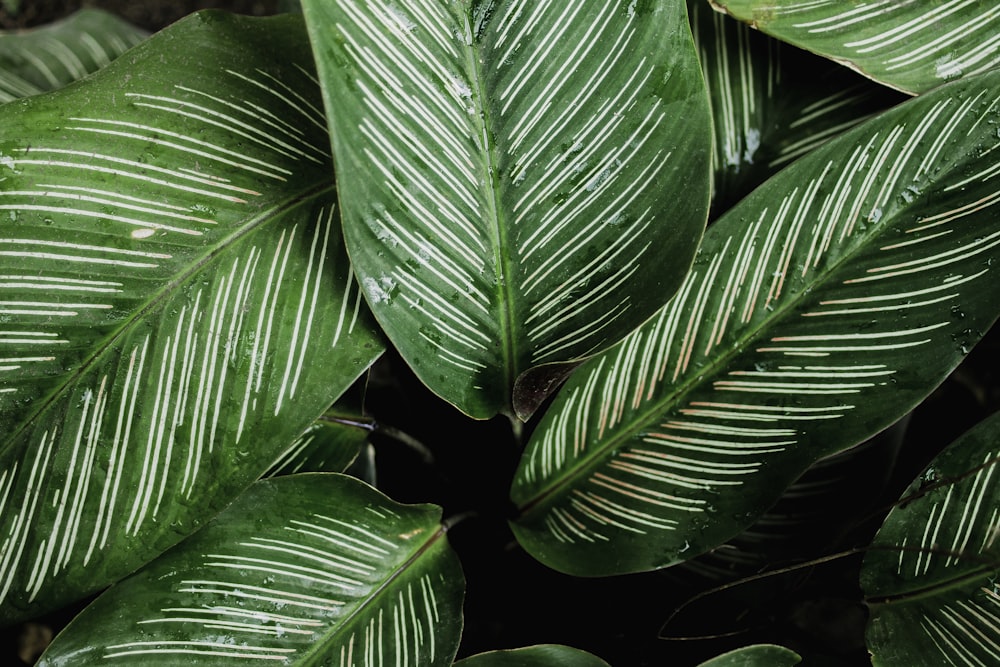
(494, 219)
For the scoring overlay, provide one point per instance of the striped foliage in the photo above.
(47, 58)
(176, 305)
(771, 102)
(758, 655)
(911, 45)
(315, 569)
(546, 655)
(523, 181)
(331, 444)
(819, 310)
(932, 576)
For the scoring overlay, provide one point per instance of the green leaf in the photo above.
(544, 655)
(912, 45)
(512, 179)
(932, 574)
(772, 103)
(759, 655)
(302, 570)
(329, 445)
(819, 310)
(47, 58)
(177, 306)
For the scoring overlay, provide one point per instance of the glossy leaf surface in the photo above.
(300, 570)
(47, 58)
(931, 576)
(819, 310)
(331, 444)
(911, 45)
(759, 655)
(547, 655)
(771, 102)
(523, 183)
(177, 306)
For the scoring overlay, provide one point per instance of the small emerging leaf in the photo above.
(300, 570)
(932, 574)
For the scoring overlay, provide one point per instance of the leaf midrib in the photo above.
(711, 369)
(375, 595)
(495, 218)
(251, 225)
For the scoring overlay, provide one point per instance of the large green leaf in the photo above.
(47, 58)
(545, 655)
(771, 102)
(932, 576)
(911, 45)
(176, 303)
(819, 310)
(523, 183)
(315, 569)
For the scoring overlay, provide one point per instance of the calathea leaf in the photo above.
(911, 45)
(49, 57)
(932, 575)
(331, 444)
(176, 303)
(545, 655)
(300, 570)
(762, 655)
(771, 102)
(523, 182)
(819, 310)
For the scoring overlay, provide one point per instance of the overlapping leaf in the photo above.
(772, 103)
(300, 570)
(819, 310)
(176, 303)
(932, 576)
(911, 45)
(47, 58)
(331, 444)
(764, 655)
(523, 182)
(548, 655)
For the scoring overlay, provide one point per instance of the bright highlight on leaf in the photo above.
(177, 306)
(911, 45)
(300, 570)
(819, 310)
(932, 575)
(522, 182)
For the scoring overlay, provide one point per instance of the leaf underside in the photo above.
(911, 45)
(523, 183)
(931, 574)
(545, 655)
(177, 307)
(819, 310)
(300, 570)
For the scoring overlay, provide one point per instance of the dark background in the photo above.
(514, 601)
